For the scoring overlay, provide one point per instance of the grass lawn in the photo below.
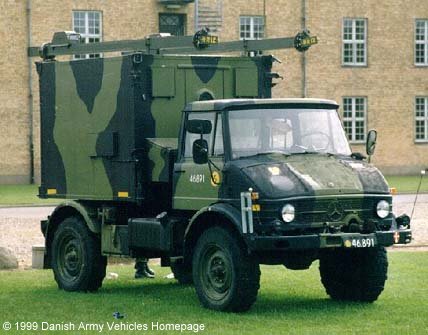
(408, 184)
(289, 302)
(22, 195)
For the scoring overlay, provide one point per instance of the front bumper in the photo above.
(321, 241)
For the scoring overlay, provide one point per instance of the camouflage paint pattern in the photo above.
(96, 115)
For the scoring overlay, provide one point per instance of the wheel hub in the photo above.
(216, 272)
(70, 260)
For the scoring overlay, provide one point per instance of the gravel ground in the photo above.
(20, 227)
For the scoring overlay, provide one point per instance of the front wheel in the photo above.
(226, 278)
(354, 275)
(77, 262)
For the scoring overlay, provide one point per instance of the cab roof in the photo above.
(219, 105)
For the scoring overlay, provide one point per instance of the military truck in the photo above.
(166, 151)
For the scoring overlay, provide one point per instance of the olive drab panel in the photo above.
(199, 185)
(96, 115)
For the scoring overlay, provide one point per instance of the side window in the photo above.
(215, 143)
(218, 149)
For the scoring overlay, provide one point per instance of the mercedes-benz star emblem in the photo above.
(335, 211)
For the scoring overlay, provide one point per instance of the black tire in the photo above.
(226, 278)
(182, 273)
(77, 262)
(354, 275)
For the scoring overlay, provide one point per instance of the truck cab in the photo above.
(279, 178)
(292, 153)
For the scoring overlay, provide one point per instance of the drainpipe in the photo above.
(303, 54)
(264, 16)
(196, 15)
(30, 95)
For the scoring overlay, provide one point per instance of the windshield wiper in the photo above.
(266, 153)
(306, 152)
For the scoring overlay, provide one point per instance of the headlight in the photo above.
(382, 209)
(288, 213)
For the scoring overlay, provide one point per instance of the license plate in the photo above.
(360, 242)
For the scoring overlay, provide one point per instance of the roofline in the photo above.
(223, 104)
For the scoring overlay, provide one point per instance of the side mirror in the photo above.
(200, 151)
(371, 142)
(199, 126)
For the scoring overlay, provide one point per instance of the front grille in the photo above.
(320, 210)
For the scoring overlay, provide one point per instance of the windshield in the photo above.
(288, 131)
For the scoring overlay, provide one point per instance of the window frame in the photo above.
(421, 118)
(182, 18)
(87, 35)
(354, 42)
(355, 119)
(217, 117)
(424, 42)
(252, 17)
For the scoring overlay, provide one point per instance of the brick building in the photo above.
(371, 58)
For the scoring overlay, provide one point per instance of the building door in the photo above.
(172, 23)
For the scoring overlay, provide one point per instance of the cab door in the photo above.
(198, 185)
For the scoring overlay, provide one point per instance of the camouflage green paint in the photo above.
(85, 172)
(159, 159)
(98, 112)
(194, 188)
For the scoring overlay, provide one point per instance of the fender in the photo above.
(63, 210)
(198, 221)
(226, 210)
(71, 206)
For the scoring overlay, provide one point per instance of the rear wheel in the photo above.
(355, 275)
(226, 278)
(77, 262)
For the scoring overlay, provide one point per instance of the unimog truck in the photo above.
(166, 151)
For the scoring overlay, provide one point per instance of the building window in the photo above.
(354, 42)
(354, 118)
(421, 42)
(172, 23)
(421, 119)
(251, 27)
(89, 25)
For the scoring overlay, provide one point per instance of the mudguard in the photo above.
(228, 212)
(71, 206)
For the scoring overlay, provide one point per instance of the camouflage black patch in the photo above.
(265, 83)
(88, 75)
(53, 171)
(205, 67)
(107, 144)
(145, 122)
(286, 183)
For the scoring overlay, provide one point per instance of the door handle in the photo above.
(179, 171)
